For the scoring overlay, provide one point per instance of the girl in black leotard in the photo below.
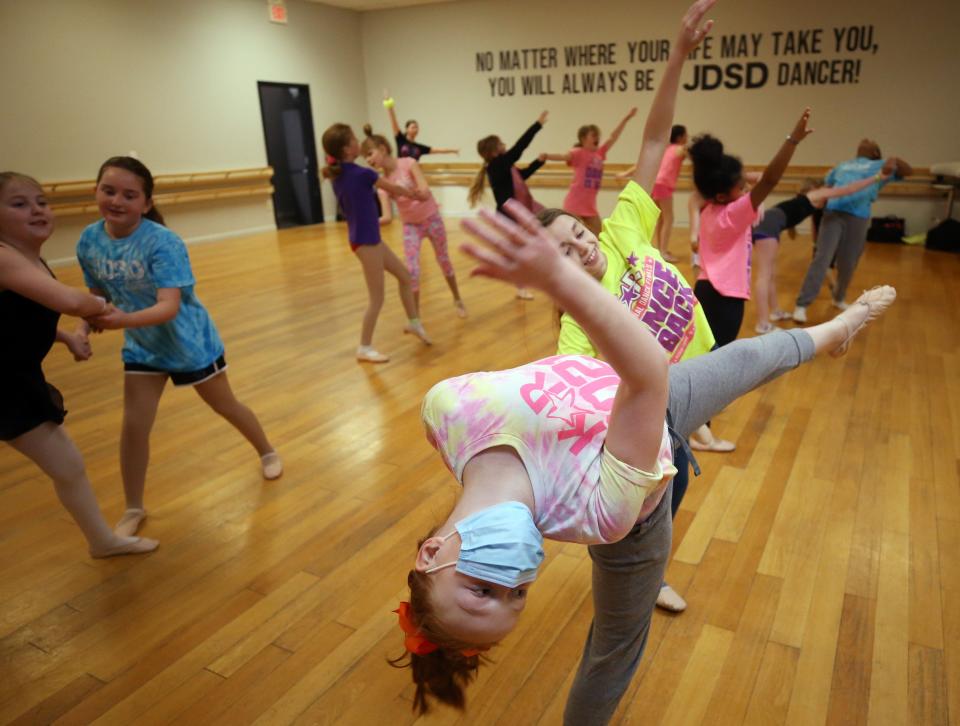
(31, 417)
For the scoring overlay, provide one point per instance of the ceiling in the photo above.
(363, 5)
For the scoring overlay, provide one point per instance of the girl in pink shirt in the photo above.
(586, 159)
(725, 226)
(421, 217)
(664, 186)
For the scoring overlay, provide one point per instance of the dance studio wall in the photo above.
(903, 92)
(174, 80)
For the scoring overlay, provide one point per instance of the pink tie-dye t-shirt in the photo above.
(554, 413)
(587, 179)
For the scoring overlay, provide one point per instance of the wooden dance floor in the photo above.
(820, 560)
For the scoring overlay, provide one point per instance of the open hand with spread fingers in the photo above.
(519, 250)
(691, 30)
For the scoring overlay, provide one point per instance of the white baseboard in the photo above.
(198, 239)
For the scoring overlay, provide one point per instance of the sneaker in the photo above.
(777, 315)
(839, 304)
(695, 259)
(764, 328)
(461, 308)
(367, 354)
(799, 314)
(670, 600)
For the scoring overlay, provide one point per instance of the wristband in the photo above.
(792, 140)
(388, 102)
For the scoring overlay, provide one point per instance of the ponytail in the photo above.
(335, 139)
(476, 189)
(488, 148)
(139, 170)
(153, 214)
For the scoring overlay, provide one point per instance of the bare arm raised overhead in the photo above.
(778, 164)
(656, 133)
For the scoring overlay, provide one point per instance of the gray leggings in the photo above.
(627, 574)
(841, 235)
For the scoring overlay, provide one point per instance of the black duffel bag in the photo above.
(886, 229)
(945, 236)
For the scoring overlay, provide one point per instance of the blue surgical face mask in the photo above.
(499, 544)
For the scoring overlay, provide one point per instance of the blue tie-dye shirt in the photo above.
(851, 171)
(130, 271)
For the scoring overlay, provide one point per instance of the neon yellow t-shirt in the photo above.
(653, 289)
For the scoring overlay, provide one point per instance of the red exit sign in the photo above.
(278, 12)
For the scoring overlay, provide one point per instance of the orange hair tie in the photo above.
(416, 642)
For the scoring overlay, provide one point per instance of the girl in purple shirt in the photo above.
(354, 186)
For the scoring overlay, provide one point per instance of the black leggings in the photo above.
(725, 314)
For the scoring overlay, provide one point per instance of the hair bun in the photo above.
(368, 129)
(707, 148)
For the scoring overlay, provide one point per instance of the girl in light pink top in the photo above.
(725, 226)
(586, 159)
(421, 218)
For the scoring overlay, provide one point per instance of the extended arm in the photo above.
(388, 103)
(615, 134)
(23, 278)
(516, 151)
(397, 190)
(776, 167)
(823, 193)
(532, 168)
(163, 311)
(565, 158)
(897, 167)
(524, 253)
(656, 133)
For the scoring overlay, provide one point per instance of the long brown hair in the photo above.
(445, 673)
(487, 147)
(139, 170)
(335, 139)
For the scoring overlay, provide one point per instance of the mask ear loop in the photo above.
(433, 569)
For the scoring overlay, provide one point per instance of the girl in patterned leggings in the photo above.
(421, 218)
